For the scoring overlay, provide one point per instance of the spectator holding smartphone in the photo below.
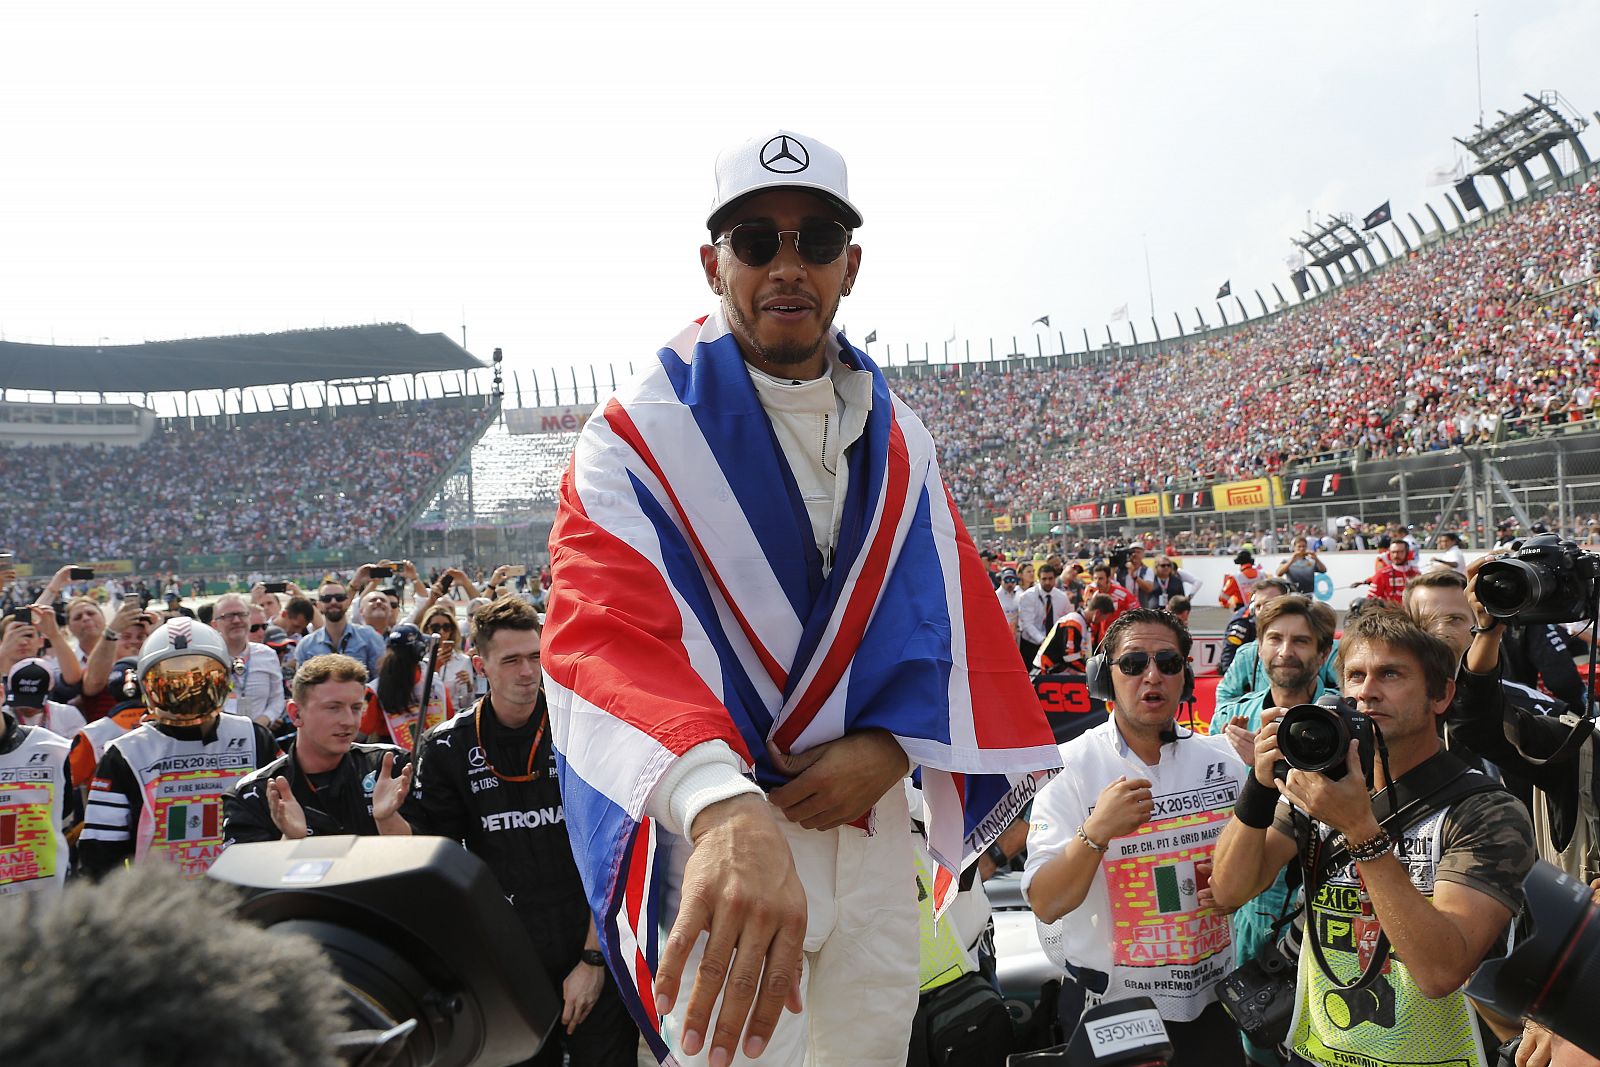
(453, 668)
(122, 640)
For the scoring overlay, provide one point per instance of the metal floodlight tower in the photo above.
(1335, 241)
(1530, 133)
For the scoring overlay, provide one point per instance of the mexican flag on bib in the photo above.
(194, 820)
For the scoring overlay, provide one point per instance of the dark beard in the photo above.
(1297, 682)
(785, 355)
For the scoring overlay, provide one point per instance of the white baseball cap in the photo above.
(785, 160)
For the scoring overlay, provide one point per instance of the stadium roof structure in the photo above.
(232, 362)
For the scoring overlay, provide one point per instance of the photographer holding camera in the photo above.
(1555, 754)
(1408, 887)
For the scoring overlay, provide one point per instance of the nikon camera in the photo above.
(1544, 579)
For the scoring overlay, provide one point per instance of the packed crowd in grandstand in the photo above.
(1430, 353)
(324, 482)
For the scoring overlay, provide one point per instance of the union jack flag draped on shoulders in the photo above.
(688, 604)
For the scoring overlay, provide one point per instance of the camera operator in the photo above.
(1521, 739)
(1396, 924)
(1439, 603)
(1536, 654)
(1300, 570)
(1139, 577)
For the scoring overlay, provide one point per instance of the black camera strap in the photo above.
(1580, 729)
(1437, 784)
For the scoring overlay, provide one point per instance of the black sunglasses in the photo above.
(756, 243)
(1133, 664)
(333, 598)
(258, 627)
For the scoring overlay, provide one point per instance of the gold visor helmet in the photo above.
(184, 668)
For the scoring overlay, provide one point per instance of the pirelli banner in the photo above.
(1002, 524)
(1337, 484)
(1145, 507)
(1253, 495)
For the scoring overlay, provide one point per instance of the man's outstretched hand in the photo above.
(740, 888)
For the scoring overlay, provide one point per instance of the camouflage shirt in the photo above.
(1486, 843)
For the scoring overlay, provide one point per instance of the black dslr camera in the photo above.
(1544, 579)
(1259, 995)
(1315, 737)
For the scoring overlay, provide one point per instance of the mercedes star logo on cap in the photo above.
(783, 155)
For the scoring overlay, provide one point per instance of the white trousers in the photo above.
(861, 949)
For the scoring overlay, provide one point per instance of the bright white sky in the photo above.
(541, 171)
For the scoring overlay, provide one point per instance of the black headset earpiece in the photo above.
(1097, 677)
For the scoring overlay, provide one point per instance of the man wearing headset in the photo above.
(1119, 853)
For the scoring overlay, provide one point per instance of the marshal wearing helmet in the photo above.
(157, 791)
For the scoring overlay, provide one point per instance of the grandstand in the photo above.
(293, 478)
(1447, 375)
(1404, 373)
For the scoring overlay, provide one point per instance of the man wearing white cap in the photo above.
(763, 611)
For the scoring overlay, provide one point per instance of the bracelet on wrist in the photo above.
(1083, 836)
(1379, 845)
(593, 957)
(1256, 804)
(997, 855)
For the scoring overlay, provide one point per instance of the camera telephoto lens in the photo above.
(1551, 975)
(1315, 741)
(1314, 738)
(1508, 587)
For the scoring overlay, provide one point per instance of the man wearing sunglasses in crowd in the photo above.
(338, 634)
(1119, 851)
(257, 675)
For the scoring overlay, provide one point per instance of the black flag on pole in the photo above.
(1042, 318)
(871, 337)
(1377, 216)
(1226, 290)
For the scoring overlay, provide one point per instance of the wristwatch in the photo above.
(593, 957)
(997, 856)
